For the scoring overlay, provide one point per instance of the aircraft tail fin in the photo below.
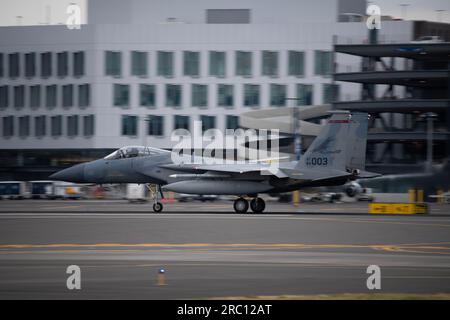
(341, 145)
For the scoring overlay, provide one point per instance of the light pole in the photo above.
(439, 14)
(430, 117)
(404, 7)
(296, 129)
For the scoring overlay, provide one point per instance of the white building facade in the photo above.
(140, 69)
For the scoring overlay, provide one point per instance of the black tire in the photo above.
(240, 205)
(257, 205)
(157, 207)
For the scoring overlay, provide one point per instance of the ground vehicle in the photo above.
(13, 190)
(428, 39)
(365, 195)
(137, 192)
(67, 190)
(42, 189)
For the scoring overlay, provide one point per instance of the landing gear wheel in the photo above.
(157, 207)
(257, 205)
(240, 205)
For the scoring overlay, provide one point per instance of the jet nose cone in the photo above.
(72, 174)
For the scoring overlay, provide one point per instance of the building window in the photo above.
(67, 95)
(147, 95)
(84, 95)
(113, 63)
(191, 63)
(232, 122)
(8, 126)
(19, 96)
(35, 96)
(296, 63)
(165, 64)
(40, 126)
(208, 122)
(24, 126)
(155, 125)
(181, 122)
(88, 125)
(4, 96)
(331, 93)
(50, 96)
(62, 64)
(323, 62)
(217, 64)
(304, 94)
(277, 95)
(270, 63)
(30, 65)
(129, 125)
(199, 95)
(72, 126)
(121, 95)
(251, 95)
(46, 64)
(228, 16)
(139, 63)
(78, 64)
(173, 95)
(14, 66)
(225, 95)
(56, 126)
(244, 63)
(1, 66)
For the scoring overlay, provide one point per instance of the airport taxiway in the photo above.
(215, 253)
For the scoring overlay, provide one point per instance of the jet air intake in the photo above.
(221, 187)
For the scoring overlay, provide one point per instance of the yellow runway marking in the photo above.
(61, 207)
(432, 248)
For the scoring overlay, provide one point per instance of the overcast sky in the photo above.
(40, 11)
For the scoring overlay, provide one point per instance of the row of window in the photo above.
(29, 64)
(48, 125)
(225, 95)
(155, 124)
(217, 63)
(49, 93)
(53, 125)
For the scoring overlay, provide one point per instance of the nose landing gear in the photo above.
(157, 207)
(155, 190)
(241, 205)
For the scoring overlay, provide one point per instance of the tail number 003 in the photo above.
(317, 161)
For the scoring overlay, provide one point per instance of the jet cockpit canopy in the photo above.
(134, 151)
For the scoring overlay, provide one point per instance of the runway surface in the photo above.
(209, 255)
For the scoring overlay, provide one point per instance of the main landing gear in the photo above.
(155, 190)
(256, 204)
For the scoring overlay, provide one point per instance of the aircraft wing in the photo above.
(316, 175)
(237, 168)
(367, 175)
(232, 168)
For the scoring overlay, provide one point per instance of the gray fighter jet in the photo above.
(335, 157)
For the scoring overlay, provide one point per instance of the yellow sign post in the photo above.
(398, 208)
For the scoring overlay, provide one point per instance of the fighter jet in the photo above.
(335, 157)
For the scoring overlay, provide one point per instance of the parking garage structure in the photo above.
(401, 84)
